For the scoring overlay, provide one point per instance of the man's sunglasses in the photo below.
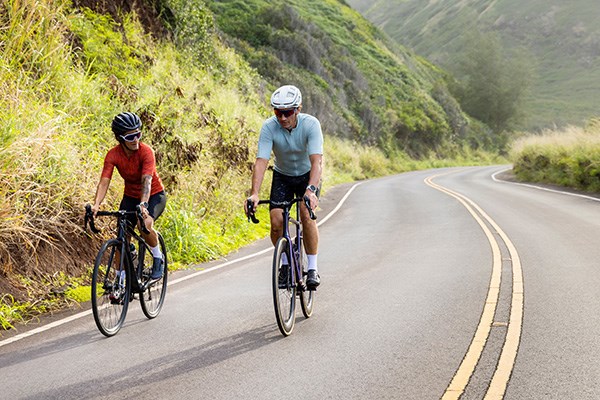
(284, 113)
(132, 137)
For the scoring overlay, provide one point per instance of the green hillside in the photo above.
(360, 84)
(562, 38)
(199, 75)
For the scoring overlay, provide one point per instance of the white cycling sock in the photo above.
(284, 259)
(156, 253)
(312, 261)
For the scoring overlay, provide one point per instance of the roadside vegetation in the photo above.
(568, 157)
(66, 68)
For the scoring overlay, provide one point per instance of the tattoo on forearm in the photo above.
(146, 185)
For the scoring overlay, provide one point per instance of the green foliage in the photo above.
(80, 294)
(10, 312)
(353, 78)
(192, 26)
(491, 85)
(570, 158)
(106, 50)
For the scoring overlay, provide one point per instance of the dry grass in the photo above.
(568, 157)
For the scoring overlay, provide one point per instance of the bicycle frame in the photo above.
(294, 246)
(117, 276)
(288, 282)
(124, 228)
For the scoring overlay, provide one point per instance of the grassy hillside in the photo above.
(563, 38)
(66, 68)
(360, 84)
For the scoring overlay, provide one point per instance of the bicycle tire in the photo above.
(110, 296)
(307, 297)
(153, 298)
(284, 298)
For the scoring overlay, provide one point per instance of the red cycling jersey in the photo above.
(131, 169)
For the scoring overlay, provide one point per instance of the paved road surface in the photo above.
(435, 284)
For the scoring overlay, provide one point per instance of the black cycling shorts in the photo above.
(285, 187)
(156, 205)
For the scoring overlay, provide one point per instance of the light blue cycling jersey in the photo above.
(291, 149)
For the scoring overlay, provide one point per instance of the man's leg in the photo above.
(276, 215)
(310, 233)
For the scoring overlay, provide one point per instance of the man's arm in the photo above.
(316, 167)
(258, 174)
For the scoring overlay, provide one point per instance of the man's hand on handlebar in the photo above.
(250, 205)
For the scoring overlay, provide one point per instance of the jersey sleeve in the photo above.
(265, 143)
(109, 165)
(315, 139)
(148, 161)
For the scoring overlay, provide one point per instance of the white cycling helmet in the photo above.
(285, 97)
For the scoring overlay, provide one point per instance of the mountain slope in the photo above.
(563, 38)
(360, 84)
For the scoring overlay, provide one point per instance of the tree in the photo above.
(490, 84)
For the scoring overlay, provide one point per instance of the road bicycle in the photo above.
(121, 270)
(288, 279)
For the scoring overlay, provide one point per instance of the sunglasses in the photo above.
(132, 137)
(284, 113)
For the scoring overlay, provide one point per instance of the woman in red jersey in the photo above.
(137, 166)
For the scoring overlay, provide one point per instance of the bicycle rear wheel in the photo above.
(307, 297)
(110, 289)
(284, 293)
(153, 298)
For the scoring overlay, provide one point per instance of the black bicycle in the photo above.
(288, 279)
(121, 270)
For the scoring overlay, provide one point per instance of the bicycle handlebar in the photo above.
(285, 204)
(89, 217)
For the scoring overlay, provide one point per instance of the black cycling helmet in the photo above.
(124, 122)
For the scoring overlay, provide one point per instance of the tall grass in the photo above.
(568, 157)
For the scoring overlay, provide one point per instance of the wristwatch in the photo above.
(144, 204)
(312, 188)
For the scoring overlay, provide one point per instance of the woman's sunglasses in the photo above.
(284, 113)
(132, 137)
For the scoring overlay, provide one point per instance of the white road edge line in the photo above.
(183, 278)
(583, 196)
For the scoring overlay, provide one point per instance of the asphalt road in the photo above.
(441, 283)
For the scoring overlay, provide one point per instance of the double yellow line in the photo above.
(506, 362)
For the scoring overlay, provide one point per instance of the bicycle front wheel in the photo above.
(153, 297)
(110, 289)
(284, 293)
(307, 297)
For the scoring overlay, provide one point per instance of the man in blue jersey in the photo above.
(296, 141)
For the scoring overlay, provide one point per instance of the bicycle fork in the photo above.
(118, 288)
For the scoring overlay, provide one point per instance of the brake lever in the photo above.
(251, 210)
(138, 209)
(310, 211)
(89, 220)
